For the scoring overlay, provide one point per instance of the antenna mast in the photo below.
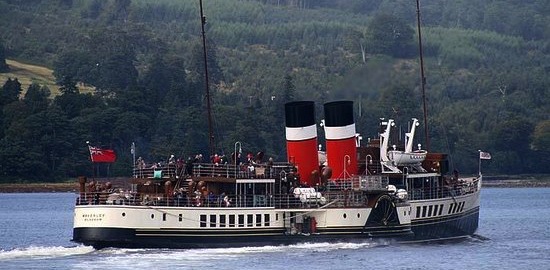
(207, 88)
(422, 77)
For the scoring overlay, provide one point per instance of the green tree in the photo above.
(387, 34)
(3, 65)
(10, 91)
(36, 98)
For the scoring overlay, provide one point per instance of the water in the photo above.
(35, 233)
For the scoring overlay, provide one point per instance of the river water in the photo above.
(514, 232)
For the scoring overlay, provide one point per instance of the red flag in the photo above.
(102, 155)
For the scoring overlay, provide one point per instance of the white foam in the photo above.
(44, 252)
(319, 247)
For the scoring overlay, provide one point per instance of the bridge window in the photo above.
(241, 220)
(266, 219)
(258, 220)
(231, 220)
(249, 220)
(212, 220)
(203, 221)
(222, 220)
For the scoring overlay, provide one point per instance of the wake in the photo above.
(42, 252)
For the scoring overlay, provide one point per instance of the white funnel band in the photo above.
(301, 133)
(339, 133)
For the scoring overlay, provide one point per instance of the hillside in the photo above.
(488, 81)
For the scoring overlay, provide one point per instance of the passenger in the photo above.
(172, 160)
(189, 166)
(179, 167)
(223, 160)
(216, 159)
(226, 201)
(140, 163)
(250, 158)
(211, 198)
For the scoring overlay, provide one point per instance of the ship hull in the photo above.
(445, 218)
(103, 226)
(459, 226)
(132, 238)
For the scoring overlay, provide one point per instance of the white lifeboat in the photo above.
(401, 158)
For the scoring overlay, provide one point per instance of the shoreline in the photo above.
(73, 186)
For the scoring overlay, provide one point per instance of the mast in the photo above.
(422, 77)
(206, 85)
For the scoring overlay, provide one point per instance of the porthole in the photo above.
(123, 214)
(152, 216)
(345, 216)
(358, 215)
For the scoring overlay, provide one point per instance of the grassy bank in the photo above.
(27, 74)
(38, 187)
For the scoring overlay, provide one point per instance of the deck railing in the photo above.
(284, 201)
(260, 170)
(444, 191)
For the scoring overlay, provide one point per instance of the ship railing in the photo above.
(347, 198)
(156, 171)
(428, 193)
(363, 182)
(258, 171)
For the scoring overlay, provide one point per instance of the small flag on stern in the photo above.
(484, 155)
(102, 155)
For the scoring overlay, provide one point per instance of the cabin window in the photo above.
(455, 207)
(430, 208)
(440, 209)
(462, 206)
(241, 220)
(424, 209)
(258, 220)
(417, 211)
(358, 215)
(277, 217)
(163, 216)
(212, 220)
(345, 215)
(249, 220)
(450, 208)
(152, 216)
(180, 217)
(435, 210)
(266, 219)
(203, 221)
(231, 220)
(222, 220)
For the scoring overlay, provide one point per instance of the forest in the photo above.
(487, 66)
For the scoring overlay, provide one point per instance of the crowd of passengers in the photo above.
(185, 167)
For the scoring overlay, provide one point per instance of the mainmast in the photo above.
(206, 85)
(422, 77)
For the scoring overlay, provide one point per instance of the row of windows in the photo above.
(456, 207)
(228, 220)
(241, 220)
(437, 209)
